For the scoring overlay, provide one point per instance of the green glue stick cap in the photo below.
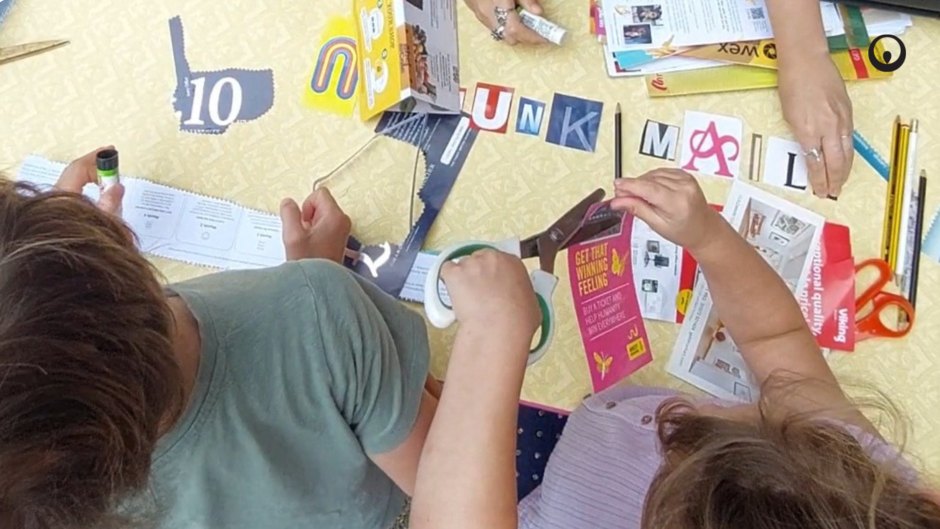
(107, 165)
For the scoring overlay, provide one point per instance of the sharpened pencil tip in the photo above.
(618, 107)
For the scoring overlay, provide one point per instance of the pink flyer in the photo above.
(606, 304)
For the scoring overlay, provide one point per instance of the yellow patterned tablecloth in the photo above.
(113, 84)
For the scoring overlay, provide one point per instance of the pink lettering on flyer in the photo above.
(606, 305)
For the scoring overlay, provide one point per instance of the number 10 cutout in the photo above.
(208, 102)
(215, 98)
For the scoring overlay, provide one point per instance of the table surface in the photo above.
(114, 84)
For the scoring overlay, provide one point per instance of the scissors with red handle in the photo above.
(876, 300)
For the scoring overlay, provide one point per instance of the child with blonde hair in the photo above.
(653, 458)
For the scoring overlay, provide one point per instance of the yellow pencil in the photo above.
(889, 196)
(898, 196)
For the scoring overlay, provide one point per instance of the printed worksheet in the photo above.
(640, 31)
(184, 226)
(786, 236)
(204, 231)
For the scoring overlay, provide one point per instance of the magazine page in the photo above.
(786, 236)
(640, 31)
(652, 24)
(430, 54)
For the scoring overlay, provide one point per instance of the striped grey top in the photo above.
(602, 467)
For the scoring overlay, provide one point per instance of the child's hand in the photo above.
(317, 230)
(84, 171)
(492, 289)
(672, 203)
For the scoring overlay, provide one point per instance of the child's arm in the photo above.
(401, 463)
(754, 303)
(466, 478)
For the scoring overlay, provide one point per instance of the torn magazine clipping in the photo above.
(208, 102)
(786, 236)
(445, 141)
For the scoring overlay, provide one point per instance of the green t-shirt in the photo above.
(305, 369)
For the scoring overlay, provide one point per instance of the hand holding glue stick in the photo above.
(549, 30)
(106, 164)
(516, 21)
(84, 171)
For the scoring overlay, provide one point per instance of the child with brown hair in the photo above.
(652, 458)
(286, 397)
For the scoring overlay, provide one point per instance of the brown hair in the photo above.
(87, 372)
(776, 471)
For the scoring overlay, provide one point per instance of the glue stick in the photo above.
(107, 164)
(551, 31)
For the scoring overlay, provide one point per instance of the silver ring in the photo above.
(499, 33)
(814, 154)
(502, 15)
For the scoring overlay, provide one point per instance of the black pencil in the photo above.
(618, 143)
(918, 236)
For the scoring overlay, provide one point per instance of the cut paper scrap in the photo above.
(334, 78)
(413, 290)
(931, 244)
(659, 140)
(664, 274)
(605, 300)
(710, 80)
(446, 141)
(573, 122)
(785, 167)
(492, 106)
(757, 157)
(529, 117)
(711, 144)
(209, 102)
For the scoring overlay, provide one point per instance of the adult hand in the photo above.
(84, 171)
(492, 290)
(671, 202)
(819, 111)
(318, 229)
(515, 31)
